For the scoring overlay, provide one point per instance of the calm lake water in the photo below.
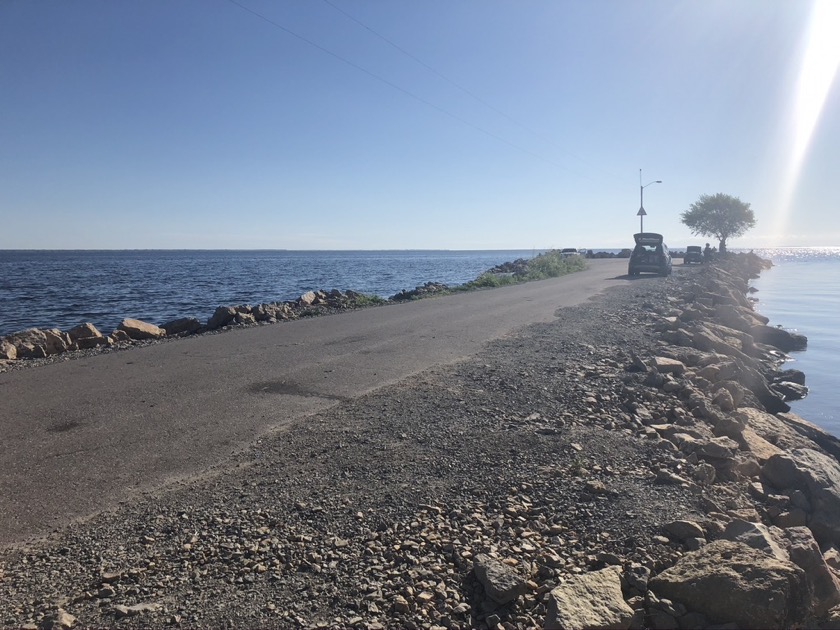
(802, 293)
(61, 289)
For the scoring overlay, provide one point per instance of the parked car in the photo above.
(693, 254)
(650, 255)
(566, 252)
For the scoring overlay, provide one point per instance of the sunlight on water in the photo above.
(802, 293)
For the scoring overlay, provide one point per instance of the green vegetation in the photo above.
(719, 216)
(552, 265)
(361, 300)
(547, 265)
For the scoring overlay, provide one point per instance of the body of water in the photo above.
(61, 289)
(802, 293)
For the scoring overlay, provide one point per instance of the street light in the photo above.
(641, 213)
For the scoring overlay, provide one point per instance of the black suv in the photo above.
(650, 255)
(693, 254)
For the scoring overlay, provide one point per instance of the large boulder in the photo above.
(182, 326)
(788, 390)
(35, 343)
(753, 380)
(307, 299)
(8, 351)
(665, 365)
(139, 330)
(222, 316)
(83, 331)
(772, 428)
(760, 448)
(805, 553)
(817, 475)
(86, 336)
(779, 338)
(55, 341)
(758, 536)
(501, 583)
(592, 600)
(811, 432)
(730, 582)
(738, 317)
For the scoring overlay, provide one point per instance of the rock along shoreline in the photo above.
(634, 465)
(35, 344)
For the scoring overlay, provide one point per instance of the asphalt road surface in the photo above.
(80, 436)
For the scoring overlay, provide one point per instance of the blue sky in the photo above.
(294, 124)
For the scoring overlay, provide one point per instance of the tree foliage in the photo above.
(719, 216)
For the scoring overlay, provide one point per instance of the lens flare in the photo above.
(820, 62)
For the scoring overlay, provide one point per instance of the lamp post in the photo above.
(641, 213)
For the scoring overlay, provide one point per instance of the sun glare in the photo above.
(820, 62)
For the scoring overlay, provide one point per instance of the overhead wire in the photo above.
(394, 85)
(457, 85)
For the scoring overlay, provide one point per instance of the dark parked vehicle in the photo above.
(650, 255)
(693, 254)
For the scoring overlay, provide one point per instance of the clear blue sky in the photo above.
(200, 124)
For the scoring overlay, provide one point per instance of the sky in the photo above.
(365, 124)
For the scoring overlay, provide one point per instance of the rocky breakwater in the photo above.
(766, 554)
(36, 343)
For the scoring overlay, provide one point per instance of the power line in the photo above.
(457, 85)
(394, 85)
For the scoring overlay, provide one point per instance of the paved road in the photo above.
(80, 436)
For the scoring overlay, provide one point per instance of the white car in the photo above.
(567, 252)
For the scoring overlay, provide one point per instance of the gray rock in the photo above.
(772, 428)
(738, 317)
(812, 432)
(140, 330)
(592, 600)
(308, 298)
(86, 343)
(222, 316)
(730, 582)
(120, 336)
(501, 583)
(817, 475)
(779, 338)
(83, 331)
(756, 535)
(60, 619)
(664, 365)
(8, 352)
(136, 609)
(717, 448)
(182, 326)
(245, 318)
(805, 553)
(682, 530)
(790, 391)
(35, 343)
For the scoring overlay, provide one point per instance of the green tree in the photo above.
(719, 216)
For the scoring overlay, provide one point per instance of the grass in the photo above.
(364, 300)
(547, 265)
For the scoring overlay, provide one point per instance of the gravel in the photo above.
(369, 515)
